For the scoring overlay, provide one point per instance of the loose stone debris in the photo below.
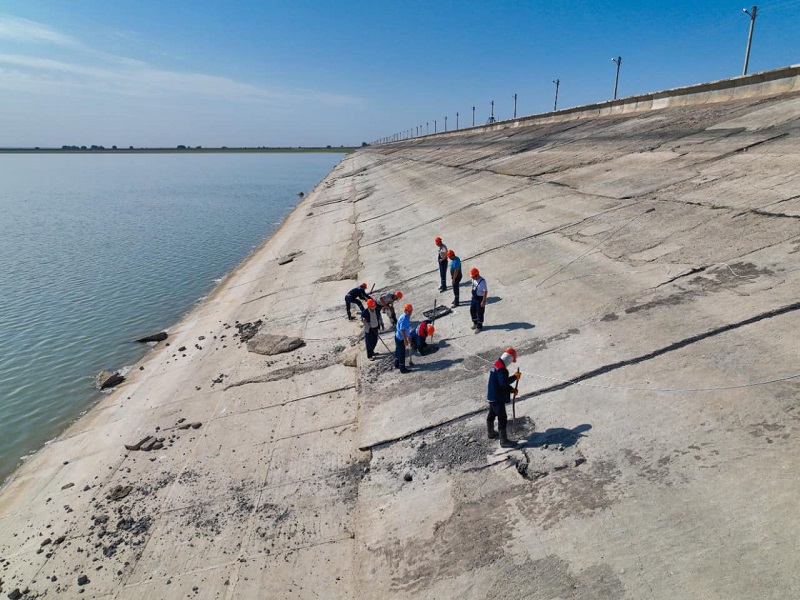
(108, 379)
(155, 337)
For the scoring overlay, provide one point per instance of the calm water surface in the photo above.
(96, 250)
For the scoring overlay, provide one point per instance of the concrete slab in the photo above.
(642, 263)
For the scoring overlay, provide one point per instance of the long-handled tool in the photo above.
(513, 405)
(384, 344)
(433, 317)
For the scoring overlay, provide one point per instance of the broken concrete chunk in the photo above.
(148, 445)
(120, 491)
(288, 258)
(269, 344)
(247, 330)
(139, 444)
(107, 379)
(155, 337)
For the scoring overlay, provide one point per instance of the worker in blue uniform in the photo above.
(355, 296)
(501, 386)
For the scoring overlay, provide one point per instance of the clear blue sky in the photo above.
(275, 73)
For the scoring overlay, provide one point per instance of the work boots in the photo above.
(493, 435)
(504, 441)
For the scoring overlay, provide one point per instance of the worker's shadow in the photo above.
(435, 365)
(557, 436)
(510, 326)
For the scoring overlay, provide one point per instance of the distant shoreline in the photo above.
(339, 150)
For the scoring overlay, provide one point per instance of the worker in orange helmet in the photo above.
(442, 259)
(455, 274)
(402, 339)
(386, 302)
(480, 293)
(355, 296)
(371, 318)
(419, 336)
(501, 386)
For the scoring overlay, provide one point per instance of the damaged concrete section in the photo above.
(269, 344)
(643, 264)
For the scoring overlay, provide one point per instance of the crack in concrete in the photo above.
(692, 271)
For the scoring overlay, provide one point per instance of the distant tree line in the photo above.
(92, 147)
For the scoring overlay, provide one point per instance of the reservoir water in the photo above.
(98, 249)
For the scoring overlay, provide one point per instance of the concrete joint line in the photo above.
(416, 432)
(344, 425)
(318, 394)
(765, 213)
(384, 214)
(661, 351)
(399, 233)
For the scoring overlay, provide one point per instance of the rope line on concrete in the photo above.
(631, 388)
(600, 243)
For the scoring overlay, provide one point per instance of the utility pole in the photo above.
(617, 60)
(456, 121)
(555, 104)
(491, 116)
(427, 127)
(473, 116)
(750, 36)
(515, 106)
(434, 126)
(445, 123)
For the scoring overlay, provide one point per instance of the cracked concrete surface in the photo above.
(643, 264)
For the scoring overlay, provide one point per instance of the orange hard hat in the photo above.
(451, 254)
(512, 352)
(474, 272)
(399, 295)
(437, 241)
(364, 285)
(408, 307)
(370, 303)
(431, 330)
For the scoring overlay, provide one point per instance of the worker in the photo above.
(419, 336)
(371, 317)
(442, 258)
(501, 386)
(355, 296)
(455, 274)
(386, 302)
(402, 339)
(477, 306)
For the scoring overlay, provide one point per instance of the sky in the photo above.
(161, 73)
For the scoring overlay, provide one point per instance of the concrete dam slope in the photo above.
(643, 263)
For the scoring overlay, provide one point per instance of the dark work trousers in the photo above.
(443, 273)
(456, 283)
(418, 343)
(476, 311)
(392, 316)
(348, 301)
(371, 340)
(399, 353)
(497, 409)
